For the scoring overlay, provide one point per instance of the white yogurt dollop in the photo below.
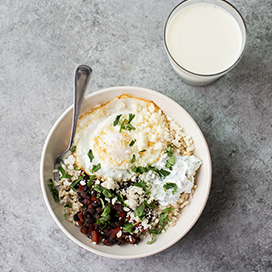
(182, 174)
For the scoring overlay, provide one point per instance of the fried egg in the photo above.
(123, 133)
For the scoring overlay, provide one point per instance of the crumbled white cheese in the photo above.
(82, 182)
(119, 234)
(110, 184)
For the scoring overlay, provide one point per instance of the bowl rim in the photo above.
(104, 254)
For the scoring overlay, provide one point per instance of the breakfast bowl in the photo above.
(58, 139)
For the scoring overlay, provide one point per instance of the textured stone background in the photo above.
(41, 43)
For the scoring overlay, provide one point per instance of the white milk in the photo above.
(204, 39)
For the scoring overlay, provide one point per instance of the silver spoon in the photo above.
(82, 77)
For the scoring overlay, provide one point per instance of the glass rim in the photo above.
(214, 74)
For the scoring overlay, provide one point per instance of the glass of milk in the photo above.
(204, 39)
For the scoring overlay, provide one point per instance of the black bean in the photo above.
(85, 195)
(96, 215)
(91, 210)
(89, 221)
(76, 218)
(99, 210)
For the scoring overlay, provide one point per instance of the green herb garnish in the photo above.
(130, 117)
(68, 205)
(96, 168)
(122, 125)
(76, 182)
(139, 169)
(74, 149)
(54, 191)
(151, 205)
(116, 121)
(91, 178)
(169, 151)
(132, 142)
(130, 127)
(133, 158)
(107, 193)
(126, 124)
(141, 184)
(171, 161)
(164, 217)
(162, 172)
(152, 232)
(121, 199)
(140, 211)
(105, 216)
(90, 155)
(62, 171)
(170, 185)
(128, 227)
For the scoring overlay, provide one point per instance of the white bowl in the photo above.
(57, 141)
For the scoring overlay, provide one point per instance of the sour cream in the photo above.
(182, 174)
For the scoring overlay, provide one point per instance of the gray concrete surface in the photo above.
(42, 42)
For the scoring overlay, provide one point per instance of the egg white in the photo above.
(112, 146)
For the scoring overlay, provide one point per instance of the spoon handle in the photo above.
(82, 77)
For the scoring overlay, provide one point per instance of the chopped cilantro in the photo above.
(122, 125)
(62, 171)
(169, 151)
(133, 159)
(170, 185)
(130, 117)
(132, 142)
(153, 231)
(75, 168)
(140, 211)
(151, 205)
(96, 168)
(130, 127)
(121, 199)
(116, 121)
(128, 227)
(125, 124)
(74, 149)
(167, 210)
(90, 155)
(102, 202)
(67, 176)
(164, 217)
(100, 189)
(91, 178)
(68, 205)
(105, 216)
(152, 237)
(162, 172)
(171, 161)
(107, 193)
(139, 169)
(76, 182)
(54, 191)
(141, 184)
